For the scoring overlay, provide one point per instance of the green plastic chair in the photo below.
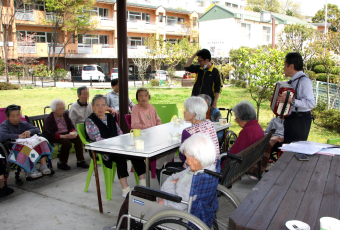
(109, 173)
(166, 111)
(333, 141)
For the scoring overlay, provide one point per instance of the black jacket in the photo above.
(207, 82)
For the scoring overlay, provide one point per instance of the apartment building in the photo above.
(98, 46)
(223, 28)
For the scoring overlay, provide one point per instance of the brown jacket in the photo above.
(50, 127)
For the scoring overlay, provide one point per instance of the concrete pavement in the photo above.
(59, 201)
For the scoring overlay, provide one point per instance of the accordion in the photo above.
(282, 109)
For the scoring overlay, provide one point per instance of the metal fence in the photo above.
(320, 93)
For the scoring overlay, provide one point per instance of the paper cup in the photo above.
(174, 136)
(177, 121)
(223, 121)
(136, 132)
(139, 144)
(329, 223)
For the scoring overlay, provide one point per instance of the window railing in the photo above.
(52, 17)
(58, 48)
(84, 48)
(108, 49)
(31, 49)
(24, 15)
(105, 21)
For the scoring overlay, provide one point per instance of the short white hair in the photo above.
(201, 147)
(197, 106)
(54, 104)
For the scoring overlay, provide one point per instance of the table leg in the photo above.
(97, 182)
(147, 172)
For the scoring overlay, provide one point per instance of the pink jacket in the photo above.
(139, 119)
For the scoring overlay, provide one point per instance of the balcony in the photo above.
(141, 25)
(27, 49)
(24, 15)
(59, 48)
(177, 29)
(90, 51)
(138, 51)
(84, 48)
(51, 17)
(107, 22)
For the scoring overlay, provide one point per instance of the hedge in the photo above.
(319, 69)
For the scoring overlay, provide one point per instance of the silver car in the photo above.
(159, 75)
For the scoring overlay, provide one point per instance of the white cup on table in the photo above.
(329, 223)
(174, 136)
(177, 121)
(223, 121)
(139, 144)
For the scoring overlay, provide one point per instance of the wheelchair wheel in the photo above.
(3, 152)
(230, 139)
(227, 204)
(171, 215)
(158, 225)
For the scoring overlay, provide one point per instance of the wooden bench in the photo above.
(239, 164)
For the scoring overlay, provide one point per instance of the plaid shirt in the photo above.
(204, 187)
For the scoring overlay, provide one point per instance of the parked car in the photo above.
(159, 75)
(114, 73)
(92, 71)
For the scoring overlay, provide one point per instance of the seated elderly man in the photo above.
(113, 97)
(195, 113)
(81, 109)
(251, 130)
(200, 153)
(14, 128)
(58, 128)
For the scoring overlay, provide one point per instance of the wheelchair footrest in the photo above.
(157, 193)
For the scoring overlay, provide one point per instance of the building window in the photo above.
(215, 2)
(171, 20)
(40, 37)
(266, 33)
(25, 7)
(194, 22)
(103, 13)
(90, 39)
(134, 16)
(235, 6)
(245, 31)
(172, 41)
(228, 4)
(133, 42)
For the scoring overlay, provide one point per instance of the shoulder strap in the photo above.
(297, 86)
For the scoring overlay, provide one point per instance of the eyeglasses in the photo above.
(200, 60)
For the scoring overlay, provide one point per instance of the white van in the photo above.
(94, 71)
(114, 73)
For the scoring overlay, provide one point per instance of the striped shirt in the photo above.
(305, 100)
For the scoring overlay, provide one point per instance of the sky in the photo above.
(310, 7)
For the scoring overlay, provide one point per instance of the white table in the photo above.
(156, 141)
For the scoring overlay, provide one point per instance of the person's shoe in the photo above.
(2, 192)
(7, 190)
(83, 164)
(33, 175)
(63, 166)
(125, 191)
(45, 171)
(110, 228)
(253, 178)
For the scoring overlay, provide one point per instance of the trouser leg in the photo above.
(78, 145)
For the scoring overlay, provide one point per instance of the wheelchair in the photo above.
(156, 216)
(230, 138)
(5, 148)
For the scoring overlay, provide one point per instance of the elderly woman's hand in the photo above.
(175, 181)
(68, 136)
(160, 201)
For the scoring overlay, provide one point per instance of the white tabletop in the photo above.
(156, 140)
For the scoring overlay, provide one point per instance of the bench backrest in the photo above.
(37, 121)
(234, 169)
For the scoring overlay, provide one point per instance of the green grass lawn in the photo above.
(33, 101)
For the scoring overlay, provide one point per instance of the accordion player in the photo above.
(279, 108)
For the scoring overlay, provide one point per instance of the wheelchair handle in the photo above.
(216, 174)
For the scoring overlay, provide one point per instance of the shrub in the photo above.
(335, 70)
(232, 81)
(319, 69)
(319, 108)
(166, 82)
(154, 82)
(321, 77)
(311, 74)
(238, 83)
(8, 86)
(330, 119)
(243, 85)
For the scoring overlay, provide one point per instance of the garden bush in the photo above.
(323, 77)
(319, 108)
(232, 81)
(154, 82)
(243, 85)
(311, 74)
(319, 69)
(330, 119)
(238, 83)
(8, 86)
(335, 70)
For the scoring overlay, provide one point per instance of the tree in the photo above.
(333, 37)
(156, 50)
(333, 12)
(239, 59)
(291, 8)
(267, 5)
(67, 16)
(142, 60)
(8, 10)
(266, 69)
(220, 62)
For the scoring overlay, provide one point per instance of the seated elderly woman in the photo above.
(195, 112)
(144, 115)
(58, 128)
(200, 153)
(14, 128)
(251, 132)
(100, 125)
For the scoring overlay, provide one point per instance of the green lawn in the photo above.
(33, 102)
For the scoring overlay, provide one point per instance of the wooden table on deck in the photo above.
(292, 190)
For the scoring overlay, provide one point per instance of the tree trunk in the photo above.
(328, 102)
(258, 104)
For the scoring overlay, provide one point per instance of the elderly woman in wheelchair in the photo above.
(188, 198)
